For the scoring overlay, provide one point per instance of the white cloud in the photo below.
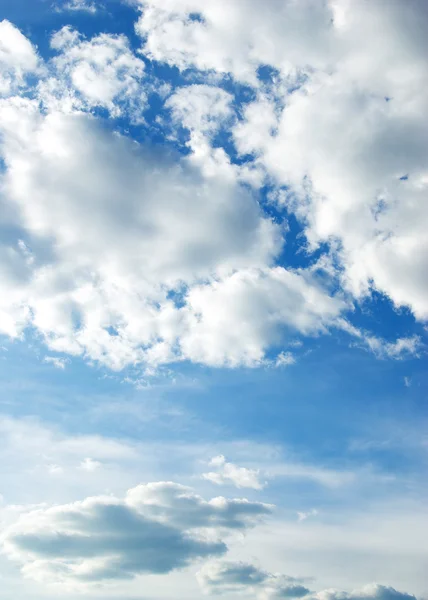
(228, 473)
(18, 58)
(234, 321)
(100, 72)
(200, 108)
(351, 143)
(226, 37)
(153, 530)
(57, 362)
(128, 256)
(222, 576)
(79, 5)
(397, 350)
(102, 289)
(285, 359)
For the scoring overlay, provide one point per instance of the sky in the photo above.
(213, 299)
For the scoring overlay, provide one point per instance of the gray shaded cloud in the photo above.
(223, 576)
(177, 504)
(157, 528)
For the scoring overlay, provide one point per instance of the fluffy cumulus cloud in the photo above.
(200, 108)
(237, 37)
(118, 238)
(350, 144)
(261, 305)
(229, 473)
(110, 230)
(156, 528)
(124, 254)
(18, 58)
(101, 72)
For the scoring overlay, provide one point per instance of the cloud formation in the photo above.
(156, 528)
(132, 255)
(224, 577)
(340, 125)
(117, 240)
(101, 72)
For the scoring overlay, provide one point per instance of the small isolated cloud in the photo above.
(401, 348)
(78, 5)
(228, 473)
(285, 359)
(407, 381)
(58, 363)
(90, 465)
(156, 528)
(302, 516)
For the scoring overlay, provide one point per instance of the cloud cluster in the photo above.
(340, 124)
(156, 528)
(125, 254)
(222, 577)
(224, 37)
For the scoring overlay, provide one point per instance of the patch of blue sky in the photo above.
(347, 392)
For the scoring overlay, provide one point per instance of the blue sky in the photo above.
(213, 299)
